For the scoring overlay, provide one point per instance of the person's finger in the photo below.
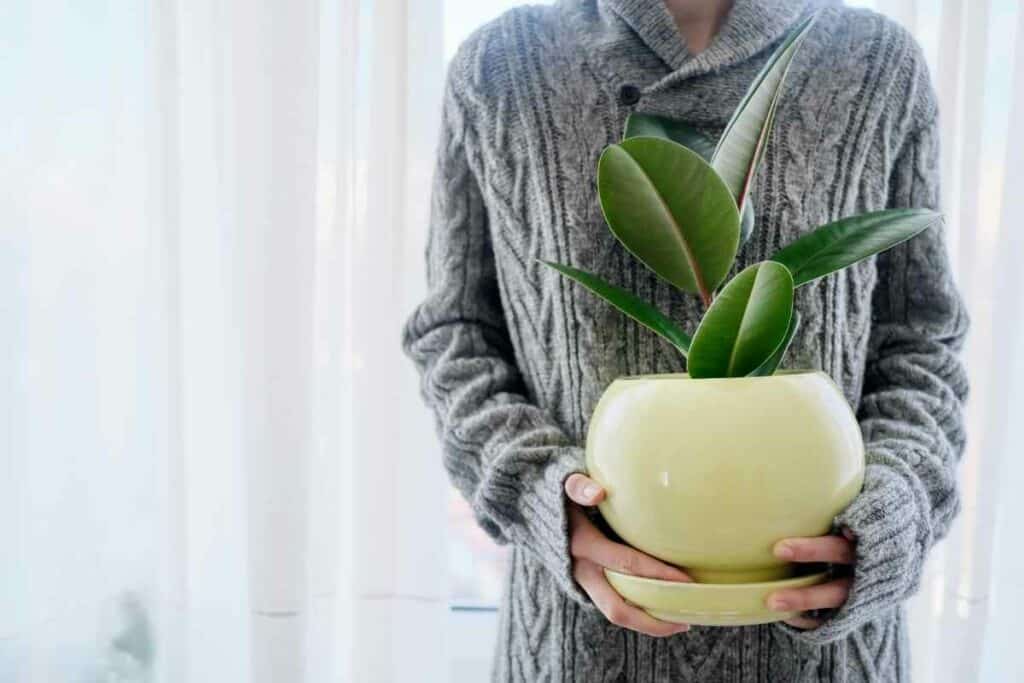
(615, 609)
(583, 532)
(587, 542)
(804, 623)
(833, 549)
(583, 490)
(622, 558)
(822, 596)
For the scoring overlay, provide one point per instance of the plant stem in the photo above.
(706, 295)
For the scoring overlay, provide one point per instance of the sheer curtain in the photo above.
(213, 460)
(213, 464)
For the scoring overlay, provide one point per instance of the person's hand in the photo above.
(592, 551)
(830, 549)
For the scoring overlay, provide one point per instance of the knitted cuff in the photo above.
(539, 522)
(890, 525)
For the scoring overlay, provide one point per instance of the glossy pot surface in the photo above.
(708, 474)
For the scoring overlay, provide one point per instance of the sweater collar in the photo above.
(750, 27)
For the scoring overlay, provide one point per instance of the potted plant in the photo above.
(708, 469)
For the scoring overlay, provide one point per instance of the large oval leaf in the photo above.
(840, 244)
(670, 209)
(630, 304)
(745, 324)
(650, 125)
(741, 146)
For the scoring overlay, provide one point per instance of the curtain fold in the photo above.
(397, 488)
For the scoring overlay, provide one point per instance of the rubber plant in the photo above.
(682, 205)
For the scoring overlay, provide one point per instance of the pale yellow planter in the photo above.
(708, 474)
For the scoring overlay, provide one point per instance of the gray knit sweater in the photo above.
(514, 358)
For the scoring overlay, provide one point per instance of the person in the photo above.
(513, 357)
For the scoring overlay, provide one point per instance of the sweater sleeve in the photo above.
(505, 454)
(911, 408)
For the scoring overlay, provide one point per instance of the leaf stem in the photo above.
(706, 296)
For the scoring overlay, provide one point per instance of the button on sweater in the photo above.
(513, 357)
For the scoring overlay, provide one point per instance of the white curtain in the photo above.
(213, 464)
(213, 460)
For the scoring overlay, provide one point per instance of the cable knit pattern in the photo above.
(514, 358)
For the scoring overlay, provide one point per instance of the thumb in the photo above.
(583, 490)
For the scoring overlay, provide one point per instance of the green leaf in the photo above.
(840, 244)
(745, 324)
(741, 146)
(772, 363)
(633, 306)
(649, 125)
(747, 220)
(670, 209)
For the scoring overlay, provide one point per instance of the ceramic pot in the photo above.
(708, 474)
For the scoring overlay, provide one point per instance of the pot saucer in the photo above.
(707, 604)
